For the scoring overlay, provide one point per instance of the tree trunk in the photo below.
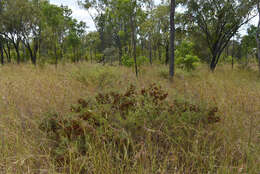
(24, 51)
(95, 52)
(120, 54)
(2, 52)
(35, 50)
(32, 52)
(16, 46)
(142, 47)
(233, 53)
(120, 50)
(247, 56)
(74, 54)
(61, 52)
(33, 59)
(56, 55)
(258, 35)
(150, 50)
(159, 53)
(18, 54)
(91, 58)
(172, 38)
(167, 53)
(215, 59)
(213, 62)
(132, 20)
(8, 52)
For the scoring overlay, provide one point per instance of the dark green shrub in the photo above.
(129, 61)
(120, 121)
(185, 57)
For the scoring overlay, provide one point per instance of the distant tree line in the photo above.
(212, 25)
(130, 32)
(37, 30)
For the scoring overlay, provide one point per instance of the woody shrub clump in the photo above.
(128, 122)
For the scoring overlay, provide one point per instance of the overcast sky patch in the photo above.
(82, 15)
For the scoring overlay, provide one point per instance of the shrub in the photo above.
(110, 54)
(99, 57)
(128, 122)
(185, 57)
(188, 62)
(129, 61)
(226, 59)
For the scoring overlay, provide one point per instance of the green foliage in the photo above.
(218, 22)
(120, 121)
(99, 57)
(185, 58)
(189, 62)
(129, 61)
(227, 59)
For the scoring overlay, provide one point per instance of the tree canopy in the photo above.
(36, 30)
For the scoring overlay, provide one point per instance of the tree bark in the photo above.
(150, 50)
(33, 59)
(258, 35)
(120, 49)
(213, 62)
(32, 51)
(172, 38)
(2, 52)
(247, 56)
(167, 53)
(159, 53)
(91, 58)
(120, 54)
(16, 46)
(8, 52)
(56, 55)
(132, 20)
(215, 59)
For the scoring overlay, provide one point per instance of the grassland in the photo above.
(28, 93)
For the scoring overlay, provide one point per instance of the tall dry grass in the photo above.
(27, 93)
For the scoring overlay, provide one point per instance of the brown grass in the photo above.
(26, 93)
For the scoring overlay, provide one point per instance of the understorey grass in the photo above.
(90, 118)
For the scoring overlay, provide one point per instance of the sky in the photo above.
(82, 15)
(79, 13)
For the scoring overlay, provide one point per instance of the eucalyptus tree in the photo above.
(219, 21)
(150, 27)
(118, 24)
(31, 29)
(7, 48)
(93, 41)
(258, 34)
(1, 38)
(162, 18)
(56, 23)
(97, 9)
(126, 10)
(134, 9)
(11, 22)
(2, 49)
(172, 38)
(75, 38)
(248, 42)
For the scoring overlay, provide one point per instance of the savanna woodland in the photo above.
(154, 87)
